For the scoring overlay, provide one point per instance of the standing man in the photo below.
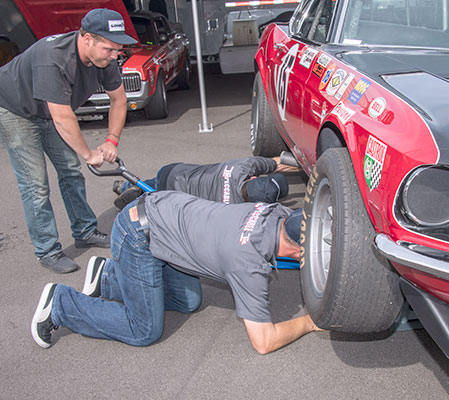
(160, 244)
(231, 182)
(39, 91)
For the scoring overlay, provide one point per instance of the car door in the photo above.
(301, 104)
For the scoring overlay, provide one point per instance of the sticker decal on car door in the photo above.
(281, 76)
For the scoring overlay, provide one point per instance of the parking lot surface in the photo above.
(206, 355)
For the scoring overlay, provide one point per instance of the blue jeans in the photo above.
(136, 288)
(27, 141)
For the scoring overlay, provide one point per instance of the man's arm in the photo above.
(67, 125)
(117, 117)
(284, 168)
(267, 337)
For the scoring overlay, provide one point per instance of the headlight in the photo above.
(425, 196)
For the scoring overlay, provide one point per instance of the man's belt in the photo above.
(142, 215)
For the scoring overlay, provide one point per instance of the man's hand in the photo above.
(284, 168)
(96, 158)
(109, 151)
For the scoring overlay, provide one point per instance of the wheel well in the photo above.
(330, 137)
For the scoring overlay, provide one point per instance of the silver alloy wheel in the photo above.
(321, 237)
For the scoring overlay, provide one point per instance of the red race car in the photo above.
(358, 91)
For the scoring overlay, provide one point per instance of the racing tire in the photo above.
(346, 286)
(185, 76)
(264, 136)
(157, 108)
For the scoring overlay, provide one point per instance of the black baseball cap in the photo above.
(268, 189)
(107, 23)
(293, 225)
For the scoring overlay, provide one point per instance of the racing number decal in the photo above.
(281, 77)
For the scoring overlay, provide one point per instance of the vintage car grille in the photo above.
(131, 83)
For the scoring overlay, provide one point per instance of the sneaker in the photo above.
(59, 263)
(97, 239)
(116, 186)
(92, 282)
(127, 197)
(42, 325)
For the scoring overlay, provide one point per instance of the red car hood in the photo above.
(48, 17)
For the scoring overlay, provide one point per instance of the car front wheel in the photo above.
(345, 284)
(264, 136)
(157, 108)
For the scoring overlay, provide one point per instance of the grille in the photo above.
(131, 83)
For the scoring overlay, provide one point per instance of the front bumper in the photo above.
(412, 259)
(432, 312)
(100, 103)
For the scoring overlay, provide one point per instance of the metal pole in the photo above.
(199, 62)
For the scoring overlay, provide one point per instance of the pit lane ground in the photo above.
(206, 355)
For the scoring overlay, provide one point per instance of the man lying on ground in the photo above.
(232, 182)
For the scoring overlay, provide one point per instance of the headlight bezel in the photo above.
(413, 214)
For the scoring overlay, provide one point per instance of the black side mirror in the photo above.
(163, 37)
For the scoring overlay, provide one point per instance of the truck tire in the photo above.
(185, 76)
(157, 108)
(264, 136)
(346, 286)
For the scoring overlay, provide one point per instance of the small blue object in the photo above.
(287, 263)
(144, 186)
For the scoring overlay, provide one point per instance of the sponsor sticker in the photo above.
(344, 86)
(374, 162)
(342, 112)
(377, 107)
(335, 82)
(327, 76)
(307, 57)
(116, 25)
(359, 89)
(324, 60)
(323, 112)
(318, 70)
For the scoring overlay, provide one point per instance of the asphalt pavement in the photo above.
(205, 355)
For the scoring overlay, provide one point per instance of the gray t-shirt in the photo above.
(51, 71)
(218, 182)
(233, 243)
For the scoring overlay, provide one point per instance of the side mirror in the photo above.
(163, 37)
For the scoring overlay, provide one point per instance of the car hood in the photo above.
(47, 18)
(420, 78)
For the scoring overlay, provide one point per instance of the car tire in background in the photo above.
(185, 76)
(264, 136)
(345, 284)
(157, 108)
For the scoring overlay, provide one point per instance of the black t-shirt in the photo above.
(51, 71)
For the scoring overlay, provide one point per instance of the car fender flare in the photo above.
(346, 133)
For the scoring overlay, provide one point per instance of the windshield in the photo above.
(416, 23)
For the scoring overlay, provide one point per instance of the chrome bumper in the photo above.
(99, 102)
(409, 258)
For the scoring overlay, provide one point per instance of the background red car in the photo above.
(160, 58)
(357, 91)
